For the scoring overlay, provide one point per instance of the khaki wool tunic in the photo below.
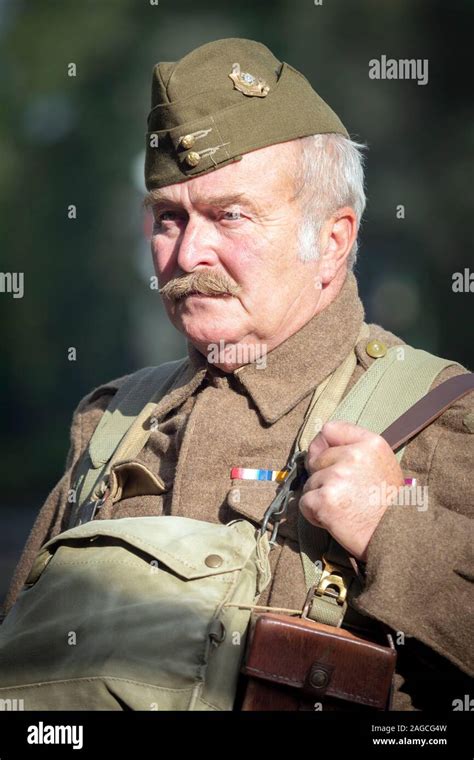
(420, 564)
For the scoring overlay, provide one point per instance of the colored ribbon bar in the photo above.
(245, 473)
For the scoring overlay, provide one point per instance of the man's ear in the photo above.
(338, 235)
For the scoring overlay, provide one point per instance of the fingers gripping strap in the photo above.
(388, 388)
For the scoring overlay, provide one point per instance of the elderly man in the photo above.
(257, 193)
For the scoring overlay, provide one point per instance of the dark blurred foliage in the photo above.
(79, 140)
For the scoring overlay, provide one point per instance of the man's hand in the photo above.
(344, 463)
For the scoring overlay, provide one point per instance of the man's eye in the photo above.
(232, 215)
(165, 216)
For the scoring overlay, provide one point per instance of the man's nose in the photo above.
(197, 245)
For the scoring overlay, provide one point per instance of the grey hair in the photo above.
(329, 175)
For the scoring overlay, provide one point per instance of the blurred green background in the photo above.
(80, 140)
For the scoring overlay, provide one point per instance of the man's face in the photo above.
(234, 231)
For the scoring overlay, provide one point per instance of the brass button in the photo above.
(187, 141)
(233, 497)
(376, 349)
(193, 158)
(213, 560)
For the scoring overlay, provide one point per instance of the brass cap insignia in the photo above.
(247, 83)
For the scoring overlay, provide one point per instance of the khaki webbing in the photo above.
(314, 542)
(388, 388)
(121, 432)
(327, 396)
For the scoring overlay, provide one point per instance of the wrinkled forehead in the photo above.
(262, 176)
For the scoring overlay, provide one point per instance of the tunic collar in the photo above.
(298, 365)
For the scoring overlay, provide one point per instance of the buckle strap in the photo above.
(326, 601)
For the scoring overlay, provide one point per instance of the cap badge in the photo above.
(247, 83)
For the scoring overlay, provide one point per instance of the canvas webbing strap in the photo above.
(327, 396)
(388, 388)
(428, 408)
(121, 433)
(313, 541)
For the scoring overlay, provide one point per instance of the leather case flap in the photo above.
(320, 659)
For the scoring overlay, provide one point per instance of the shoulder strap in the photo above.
(327, 396)
(121, 431)
(428, 409)
(390, 386)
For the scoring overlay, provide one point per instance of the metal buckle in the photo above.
(89, 510)
(332, 576)
(278, 506)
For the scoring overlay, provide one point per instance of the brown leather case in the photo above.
(294, 664)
